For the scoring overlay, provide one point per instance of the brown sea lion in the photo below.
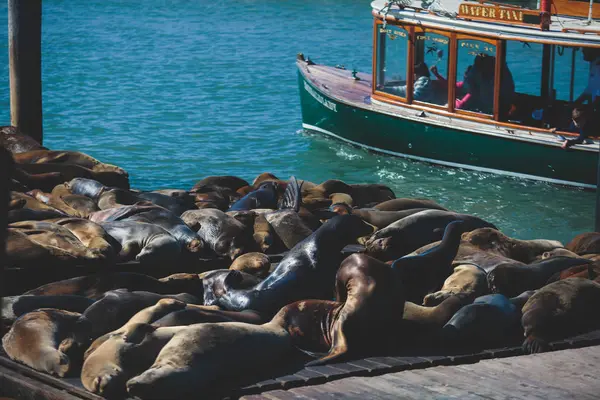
(559, 310)
(82, 205)
(408, 234)
(210, 183)
(558, 252)
(72, 171)
(466, 278)
(512, 280)
(365, 194)
(65, 157)
(380, 219)
(16, 142)
(48, 340)
(585, 243)
(27, 214)
(94, 286)
(318, 196)
(264, 177)
(588, 271)
(117, 356)
(23, 200)
(265, 237)
(116, 307)
(225, 235)
(91, 234)
(288, 226)
(257, 264)
(402, 204)
(23, 252)
(341, 198)
(492, 240)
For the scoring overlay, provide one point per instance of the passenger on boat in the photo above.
(592, 90)
(476, 91)
(422, 88)
(581, 122)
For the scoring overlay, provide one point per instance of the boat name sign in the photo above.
(319, 98)
(498, 14)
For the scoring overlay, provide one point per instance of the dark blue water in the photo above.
(173, 91)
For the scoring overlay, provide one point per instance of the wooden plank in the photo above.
(15, 385)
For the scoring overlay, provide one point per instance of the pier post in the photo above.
(6, 165)
(25, 60)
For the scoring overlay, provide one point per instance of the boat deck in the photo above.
(339, 84)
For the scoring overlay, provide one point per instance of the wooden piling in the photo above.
(25, 59)
(6, 163)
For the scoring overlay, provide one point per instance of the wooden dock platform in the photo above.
(563, 374)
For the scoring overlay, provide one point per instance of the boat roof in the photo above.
(444, 14)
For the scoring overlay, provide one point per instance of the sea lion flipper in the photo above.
(292, 197)
(339, 347)
(533, 344)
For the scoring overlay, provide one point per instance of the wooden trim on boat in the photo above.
(452, 73)
(466, 115)
(503, 36)
(500, 54)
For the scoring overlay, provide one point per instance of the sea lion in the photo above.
(27, 214)
(511, 280)
(217, 282)
(48, 340)
(558, 252)
(23, 200)
(371, 193)
(416, 230)
(79, 204)
(86, 187)
(116, 307)
(218, 183)
(318, 196)
(189, 239)
(380, 219)
(15, 306)
(492, 240)
(176, 204)
(16, 142)
(91, 234)
(558, 310)
(588, 271)
(466, 278)
(146, 243)
(257, 264)
(490, 321)
(421, 274)
(23, 252)
(94, 286)
(585, 243)
(121, 212)
(44, 156)
(265, 237)
(116, 357)
(211, 200)
(341, 198)
(288, 226)
(199, 354)
(116, 197)
(224, 234)
(72, 171)
(305, 272)
(335, 329)
(402, 204)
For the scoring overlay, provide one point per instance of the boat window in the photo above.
(524, 61)
(431, 54)
(475, 73)
(571, 71)
(392, 49)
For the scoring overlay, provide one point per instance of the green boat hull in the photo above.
(443, 145)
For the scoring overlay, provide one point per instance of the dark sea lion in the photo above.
(466, 278)
(558, 252)
(171, 223)
(424, 273)
(211, 200)
(224, 234)
(27, 214)
(288, 226)
(115, 197)
(266, 196)
(491, 320)
(402, 204)
(584, 243)
(23, 181)
(124, 353)
(217, 282)
(511, 280)
(22, 251)
(72, 171)
(15, 142)
(371, 193)
(193, 314)
(48, 340)
(15, 306)
(380, 219)
(588, 271)
(212, 183)
(176, 204)
(257, 264)
(146, 243)
(121, 212)
(416, 230)
(559, 310)
(43, 156)
(94, 286)
(307, 271)
(492, 240)
(365, 294)
(86, 187)
(199, 354)
(116, 307)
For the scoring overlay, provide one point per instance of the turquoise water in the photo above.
(173, 91)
